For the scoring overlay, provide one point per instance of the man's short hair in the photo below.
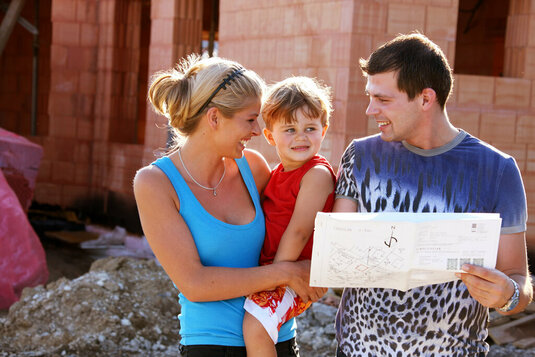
(419, 64)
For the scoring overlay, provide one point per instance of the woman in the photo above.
(200, 205)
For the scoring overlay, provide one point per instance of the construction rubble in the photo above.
(127, 306)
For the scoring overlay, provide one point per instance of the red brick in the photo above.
(66, 33)
(518, 151)
(526, 129)
(63, 10)
(529, 67)
(530, 167)
(58, 56)
(477, 90)
(322, 51)
(59, 150)
(514, 62)
(64, 81)
(512, 92)
(62, 172)
(62, 104)
(88, 82)
(84, 129)
(162, 31)
(86, 11)
(441, 23)
(89, 35)
(82, 58)
(45, 171)
(498, 126)
(62, 127)
(369, 17)
(517, 31)
(341, 86)
(330, 17)
(47, 193)
(450, 53)
(311, 13)
(86, 104)
(357, 124)
(405, 18)
(106, 11)
(467, 120)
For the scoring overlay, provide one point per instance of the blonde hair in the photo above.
(183, 93)
(285, 98)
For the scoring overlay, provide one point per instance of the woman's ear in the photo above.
(269, 136)
(213, 116)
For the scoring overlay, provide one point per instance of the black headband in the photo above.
(223, 85)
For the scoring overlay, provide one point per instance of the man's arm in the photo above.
(342, 204)
(493, 287)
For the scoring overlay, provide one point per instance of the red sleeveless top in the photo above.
(280, 195)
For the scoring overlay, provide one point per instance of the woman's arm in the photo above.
(316, 186)
(173, 245)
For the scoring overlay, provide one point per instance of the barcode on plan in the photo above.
(456, 264)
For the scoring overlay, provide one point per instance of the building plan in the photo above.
(400, 250)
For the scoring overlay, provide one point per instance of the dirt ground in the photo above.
(120, 307)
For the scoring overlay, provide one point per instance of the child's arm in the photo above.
(315, 187)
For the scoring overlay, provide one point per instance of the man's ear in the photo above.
(213, 116)
(269, 136)
(429, 96)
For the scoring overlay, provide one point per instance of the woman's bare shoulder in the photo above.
(259, 167)
(151, 179)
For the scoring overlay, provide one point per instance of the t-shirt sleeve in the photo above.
(511, 199)
(346, 185)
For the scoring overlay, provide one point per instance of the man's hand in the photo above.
(490, 287)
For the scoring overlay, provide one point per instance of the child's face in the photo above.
(297, 142)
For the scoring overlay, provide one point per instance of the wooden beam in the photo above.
(514, 330)
(12, 15)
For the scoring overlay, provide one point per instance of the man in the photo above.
(421, 163)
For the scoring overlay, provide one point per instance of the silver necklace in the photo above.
(198, 184)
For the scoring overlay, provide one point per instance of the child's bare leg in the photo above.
(257, 340)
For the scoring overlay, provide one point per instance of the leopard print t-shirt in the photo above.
(465, 175)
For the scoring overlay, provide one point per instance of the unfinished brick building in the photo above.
(96, 57)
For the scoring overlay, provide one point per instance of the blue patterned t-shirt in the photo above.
(465, 175)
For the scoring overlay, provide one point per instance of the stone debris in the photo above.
(128, 307)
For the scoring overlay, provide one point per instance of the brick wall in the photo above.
(100, 129)
(326, 38)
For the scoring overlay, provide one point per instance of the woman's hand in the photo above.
(299, 279)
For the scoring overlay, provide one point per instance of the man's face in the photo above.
(397, 118)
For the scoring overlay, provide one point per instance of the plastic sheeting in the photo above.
(22, 257)
(20, 160)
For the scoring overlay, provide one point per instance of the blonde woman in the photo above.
(200, 205)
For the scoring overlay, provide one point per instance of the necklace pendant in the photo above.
(215, 193)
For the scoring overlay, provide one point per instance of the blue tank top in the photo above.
(219, 244)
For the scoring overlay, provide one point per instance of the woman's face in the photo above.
(239, 129)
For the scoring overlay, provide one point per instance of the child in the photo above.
(296, 112)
